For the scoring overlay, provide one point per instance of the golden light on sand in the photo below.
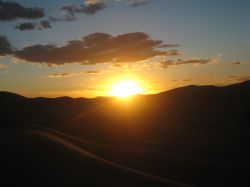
(125, 88)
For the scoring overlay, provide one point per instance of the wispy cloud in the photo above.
(10, 11)
(136, 3)
(118, 66)
(70, 74)
(195, 61)
(92, 72)
(70, 11)
(235, 63)
(60, 75)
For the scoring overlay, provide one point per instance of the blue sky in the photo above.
(216, 30)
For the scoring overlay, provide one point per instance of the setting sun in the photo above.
(125, 88)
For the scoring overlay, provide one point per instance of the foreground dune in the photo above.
(42, 158)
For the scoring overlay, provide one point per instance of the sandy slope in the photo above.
(195, 135)
(45, 157)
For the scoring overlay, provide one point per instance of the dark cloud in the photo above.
(60, 75)
(196, 61)
(5, 46)
(173, 52)
(117, 66)
(69, 12)
(90, 7)
(45, 24)
(96, 48)
(92, 72)
(136, 3)
(169, 45)
(166, 64)
(235, 63)
(12, 10)
(26, 26)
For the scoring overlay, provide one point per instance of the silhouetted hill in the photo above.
(209, 90)
(10, 97)
(197, 135)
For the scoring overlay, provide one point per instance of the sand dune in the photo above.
(44, 156)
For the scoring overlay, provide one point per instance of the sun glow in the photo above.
(125, 88)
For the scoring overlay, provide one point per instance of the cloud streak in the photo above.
(92, 72)
(195, 61)
(235, 63)
(136, 3)
(60, 75)
(97, 48)
(70, 74)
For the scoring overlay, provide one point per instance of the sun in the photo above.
(125, 88)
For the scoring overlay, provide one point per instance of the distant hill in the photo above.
(209, 89)
(186, 90)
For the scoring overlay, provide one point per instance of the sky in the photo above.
(80, 48)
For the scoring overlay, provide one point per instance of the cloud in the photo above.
(69, 11)
(118, 66)
(97, 48)
(5, 46)
(60, 75)
(92, 72)
(69, 74)
(235, 63)
(44, 24)
(90, 7)
(26, 26)
(136, 3)
(195, 61)
(12, 10)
